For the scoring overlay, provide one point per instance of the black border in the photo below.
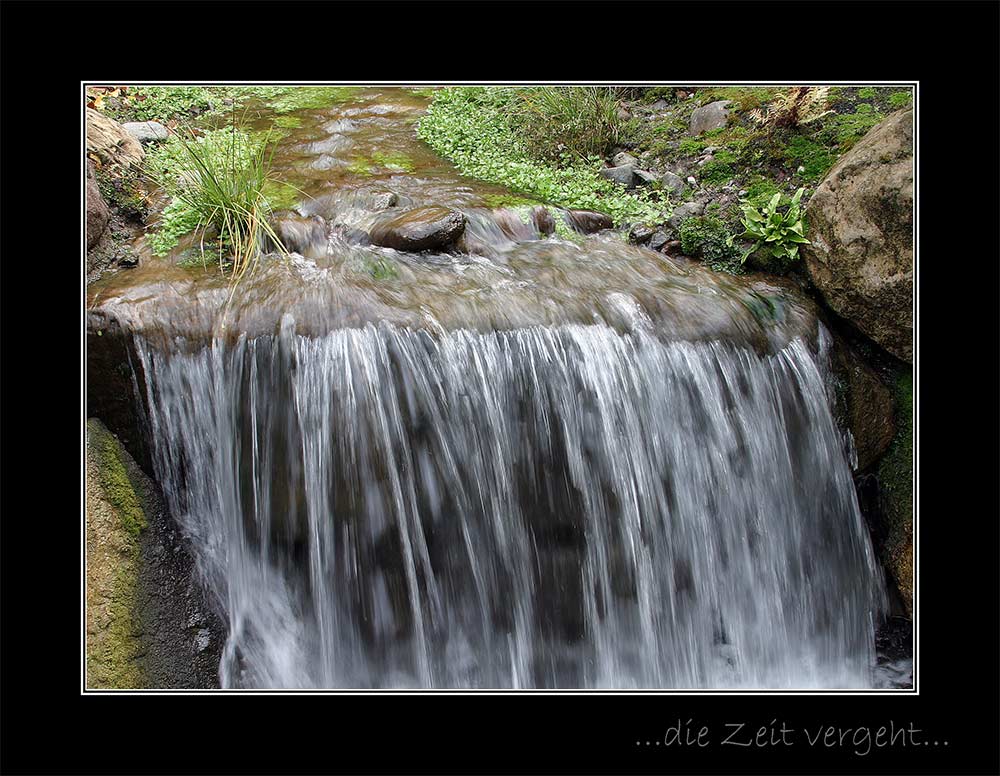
(48, 727)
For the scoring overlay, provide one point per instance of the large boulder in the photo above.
(97, 209)
(708, 117)
(622, 175)
(861, 227)
(420, 229)
(110, 143)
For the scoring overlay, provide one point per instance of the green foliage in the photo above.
(708, 238)
(217, 180)
(760, 192)
(848, 128)
(289, 99)
(580, 120)
(814, 157)
(780, 233)
(719, 170)
(469, 126)
(901, 99)
(125, 191)
(866, 93)
(148, 103)
(690, 146)
(176, 220)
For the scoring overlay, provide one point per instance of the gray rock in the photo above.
(684, 212)
(672, 183)
(621, 175)
(420, 229)
(705, 160)
(658, 240)
(202, 639)
(660, 104)
(708, 117)
(97, 209)
(623, 158)
(640, 234)
(861, 228)
(646, 178)
(146, 131)
(691, 181)
(305, 236)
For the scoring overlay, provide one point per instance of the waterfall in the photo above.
(562, 506)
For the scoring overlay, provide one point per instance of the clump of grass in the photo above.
(218, 181)
(582, 120)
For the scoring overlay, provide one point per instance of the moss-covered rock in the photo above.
(895, 475)
(114, 519)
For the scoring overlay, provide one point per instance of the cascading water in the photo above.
(530, 462)
(547, 507)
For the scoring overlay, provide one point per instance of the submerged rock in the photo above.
(861, 228)
(588, 221)
(301, 235)
(420, 229)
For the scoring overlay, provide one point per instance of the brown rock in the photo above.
(97, 209)
(588, 221)
(864, 404)
(861, 227)
(420, 229)
(544, 222)
(110, 143)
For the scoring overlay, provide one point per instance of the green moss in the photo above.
(508, 200)
(288, 122)
(815, 158)
(708, 238)
(690, 146)
(381, 268)
(125, 191)
(760, 192)
(866, 93)
(900, 99)
(294, 98)
(118, 488)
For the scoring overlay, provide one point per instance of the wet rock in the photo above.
(658, 240)
(708, 117)
(588, 221)
(110, 143)
(863, 406)
(202, 640)
(352, 235)
(622, 175)
(672, 183)
(382, 200)
(300, 235)
(861, 228)
(97, 209)
(543, 220)
(640, 234)
(146, 131)
(623, 159)
(420, 229)
(684, 212)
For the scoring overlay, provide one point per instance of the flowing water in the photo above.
(538, 463)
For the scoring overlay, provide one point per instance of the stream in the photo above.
(530, 461)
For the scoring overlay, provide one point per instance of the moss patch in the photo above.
(115, 518)
(895, 475)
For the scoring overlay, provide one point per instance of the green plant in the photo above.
(900, 99)
(780, 233)
(866, 93)
(580, 120)
(707, 237)
(218, 180)
(471, 127)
